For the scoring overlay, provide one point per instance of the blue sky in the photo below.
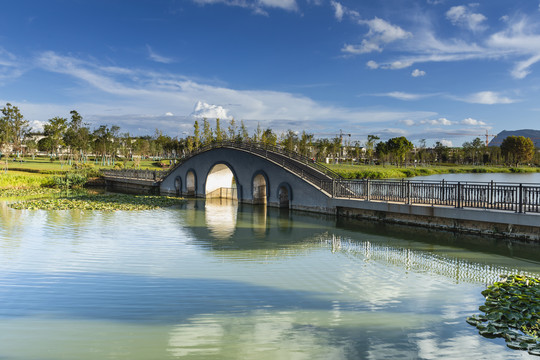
(439, 70)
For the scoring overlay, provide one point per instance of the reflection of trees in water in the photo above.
(461, 270)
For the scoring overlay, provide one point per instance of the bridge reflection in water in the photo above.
(265, 231)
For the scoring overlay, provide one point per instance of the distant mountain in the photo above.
(533, 134)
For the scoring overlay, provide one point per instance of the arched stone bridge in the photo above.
(252, 173)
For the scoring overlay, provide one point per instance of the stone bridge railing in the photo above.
(132, 174)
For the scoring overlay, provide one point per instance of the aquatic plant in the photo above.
(103, 202)
(512, 311)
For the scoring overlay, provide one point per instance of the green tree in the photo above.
(399, 147)
(220, 133)
(370, 146)
(77, 135)
(289, 140)
(244, 135)
(55, 130)
(14, 126)
(196, 135)
(517, 149)
(269, 138)
(442, 151)
(232, 129)
(305, 143)
(207, 135)
(381, 149)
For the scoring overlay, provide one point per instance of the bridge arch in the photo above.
(285, 195)
(191, 182)
(178, 185)
(222, 182)
(268, 175)
(260, 187)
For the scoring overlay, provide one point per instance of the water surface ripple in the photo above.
(223, 281)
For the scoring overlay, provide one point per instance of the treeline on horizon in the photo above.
(74, 138)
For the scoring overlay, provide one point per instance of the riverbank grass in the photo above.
(393, 172)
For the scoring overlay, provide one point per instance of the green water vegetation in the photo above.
(512, 311)
(394, 172)
(102, 202)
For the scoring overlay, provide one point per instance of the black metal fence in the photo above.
(499, 196)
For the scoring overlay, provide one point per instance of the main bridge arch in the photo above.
(245, 176)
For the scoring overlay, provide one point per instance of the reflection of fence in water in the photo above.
(422, 261)
(223, 193)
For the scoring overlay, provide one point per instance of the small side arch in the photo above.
(191, 182)
(285, 195)
(178, 185)
(260, 187)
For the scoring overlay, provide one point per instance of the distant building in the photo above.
(534, 135)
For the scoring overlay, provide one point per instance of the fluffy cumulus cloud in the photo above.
(37, 126)
(446, 142)
(472, 122)
(380, 33)
(463, 16)
(488, 98)
(418, 73)
(204, 110)
(437, 122)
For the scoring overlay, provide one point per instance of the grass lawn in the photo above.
(393, 172)
(44, 165)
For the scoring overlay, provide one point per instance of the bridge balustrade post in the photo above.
(458, 200)
(520, 206)
(368, 190)
(408, 192)
(491, 198)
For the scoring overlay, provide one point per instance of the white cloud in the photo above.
(440, 121)
(134, 98)
(462, 16)
(204, 110)
(156, 57)
(257, 6)
(403, 96)
(446, 142)
(37, 126)
(169, 114)
(488, 98)
(380, 32)
(372, 64)
(418, 73)
(407, 122)
(338, 10)
(472, 122)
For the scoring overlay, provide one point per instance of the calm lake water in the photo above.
(222, 281)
